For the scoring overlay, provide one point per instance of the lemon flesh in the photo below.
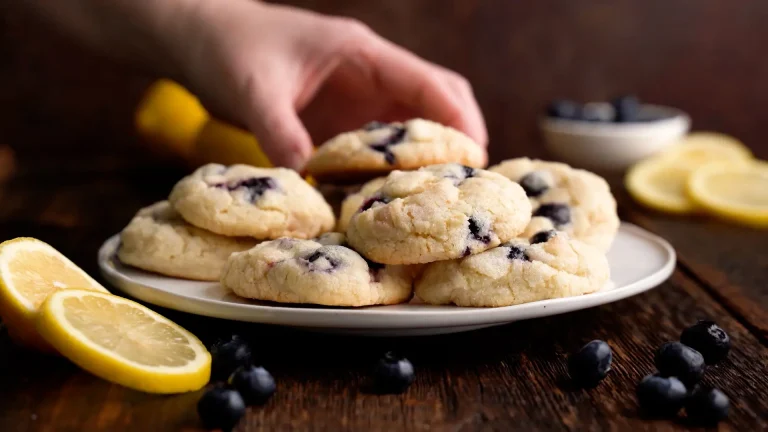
(30, 270)
(733, 191)
(124, 342)
(661, 185)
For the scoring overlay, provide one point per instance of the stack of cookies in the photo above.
(429, 220)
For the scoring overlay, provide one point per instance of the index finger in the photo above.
(421, 86)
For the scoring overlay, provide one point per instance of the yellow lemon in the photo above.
(220, 142)
(660, 183)
(734, 191)
(699, 148)
(124, 342)
(30, 270)
(171, 117)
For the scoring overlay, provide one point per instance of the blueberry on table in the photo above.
(393, 374)
(590, 364)
(227, 355)
(221, 408)
(709, 339)
(627, 108)
(254, 383)
(678, 360)
(659, 395)
(564, 109)
(707, 406)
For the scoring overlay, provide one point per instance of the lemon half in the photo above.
(733, 191)
(124, 342)
(30, 270)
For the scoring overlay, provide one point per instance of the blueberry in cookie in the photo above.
(322, 271)
(379, 148)
(437, 213)
(242, 200)
(564, 198)
(516, 272)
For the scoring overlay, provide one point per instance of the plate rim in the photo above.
(378, 317)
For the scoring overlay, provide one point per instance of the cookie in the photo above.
(241, 200)
(158, 240)
(353, 201)
(379, 148)
(567, 199)
(437, 213)
(550, 266)
(321, 271)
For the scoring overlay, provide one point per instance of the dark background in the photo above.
(66, 108)
(67, 116)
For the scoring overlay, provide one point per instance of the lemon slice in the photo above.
(29, 271)
(124, 342)
(699, 148)
(170, 117)
(733, 191)
(660, 184)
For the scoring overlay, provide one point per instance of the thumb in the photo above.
(280, 132)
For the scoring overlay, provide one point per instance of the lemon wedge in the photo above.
(170, 116)
(124, 342)
(660, 184)
(733, 191)
(30, 270)
(699, 148)
(220, 142)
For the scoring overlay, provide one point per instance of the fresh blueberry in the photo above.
(707, 406)
(590, 364)
(659, 395)
(564, 109)
(374, 125)
(627, 108)
(534, 184)
(709, 339)
(321, 261)
(393, 374)
(676, 359)
(228, 354)
(598, 112)
(254, 383)
(479, 231)
(517, 253)
(559, 214)
(543, 236)
(221, 408)
(373, 200)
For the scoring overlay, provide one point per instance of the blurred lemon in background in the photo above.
(174, 121)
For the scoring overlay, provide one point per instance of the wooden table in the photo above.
(79, 179)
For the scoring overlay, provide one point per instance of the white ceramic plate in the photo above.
(639, 261)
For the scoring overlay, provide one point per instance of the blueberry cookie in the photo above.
(158, 240)
(436, 213)
(242, 200)
(550, 265)
(567, 199)
(353, 201)
(379, 148)
(321, 271)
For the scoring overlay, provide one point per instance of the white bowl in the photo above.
(603, 146)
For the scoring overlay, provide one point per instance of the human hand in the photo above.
(286, 73)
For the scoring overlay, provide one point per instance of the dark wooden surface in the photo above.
(65, 121)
